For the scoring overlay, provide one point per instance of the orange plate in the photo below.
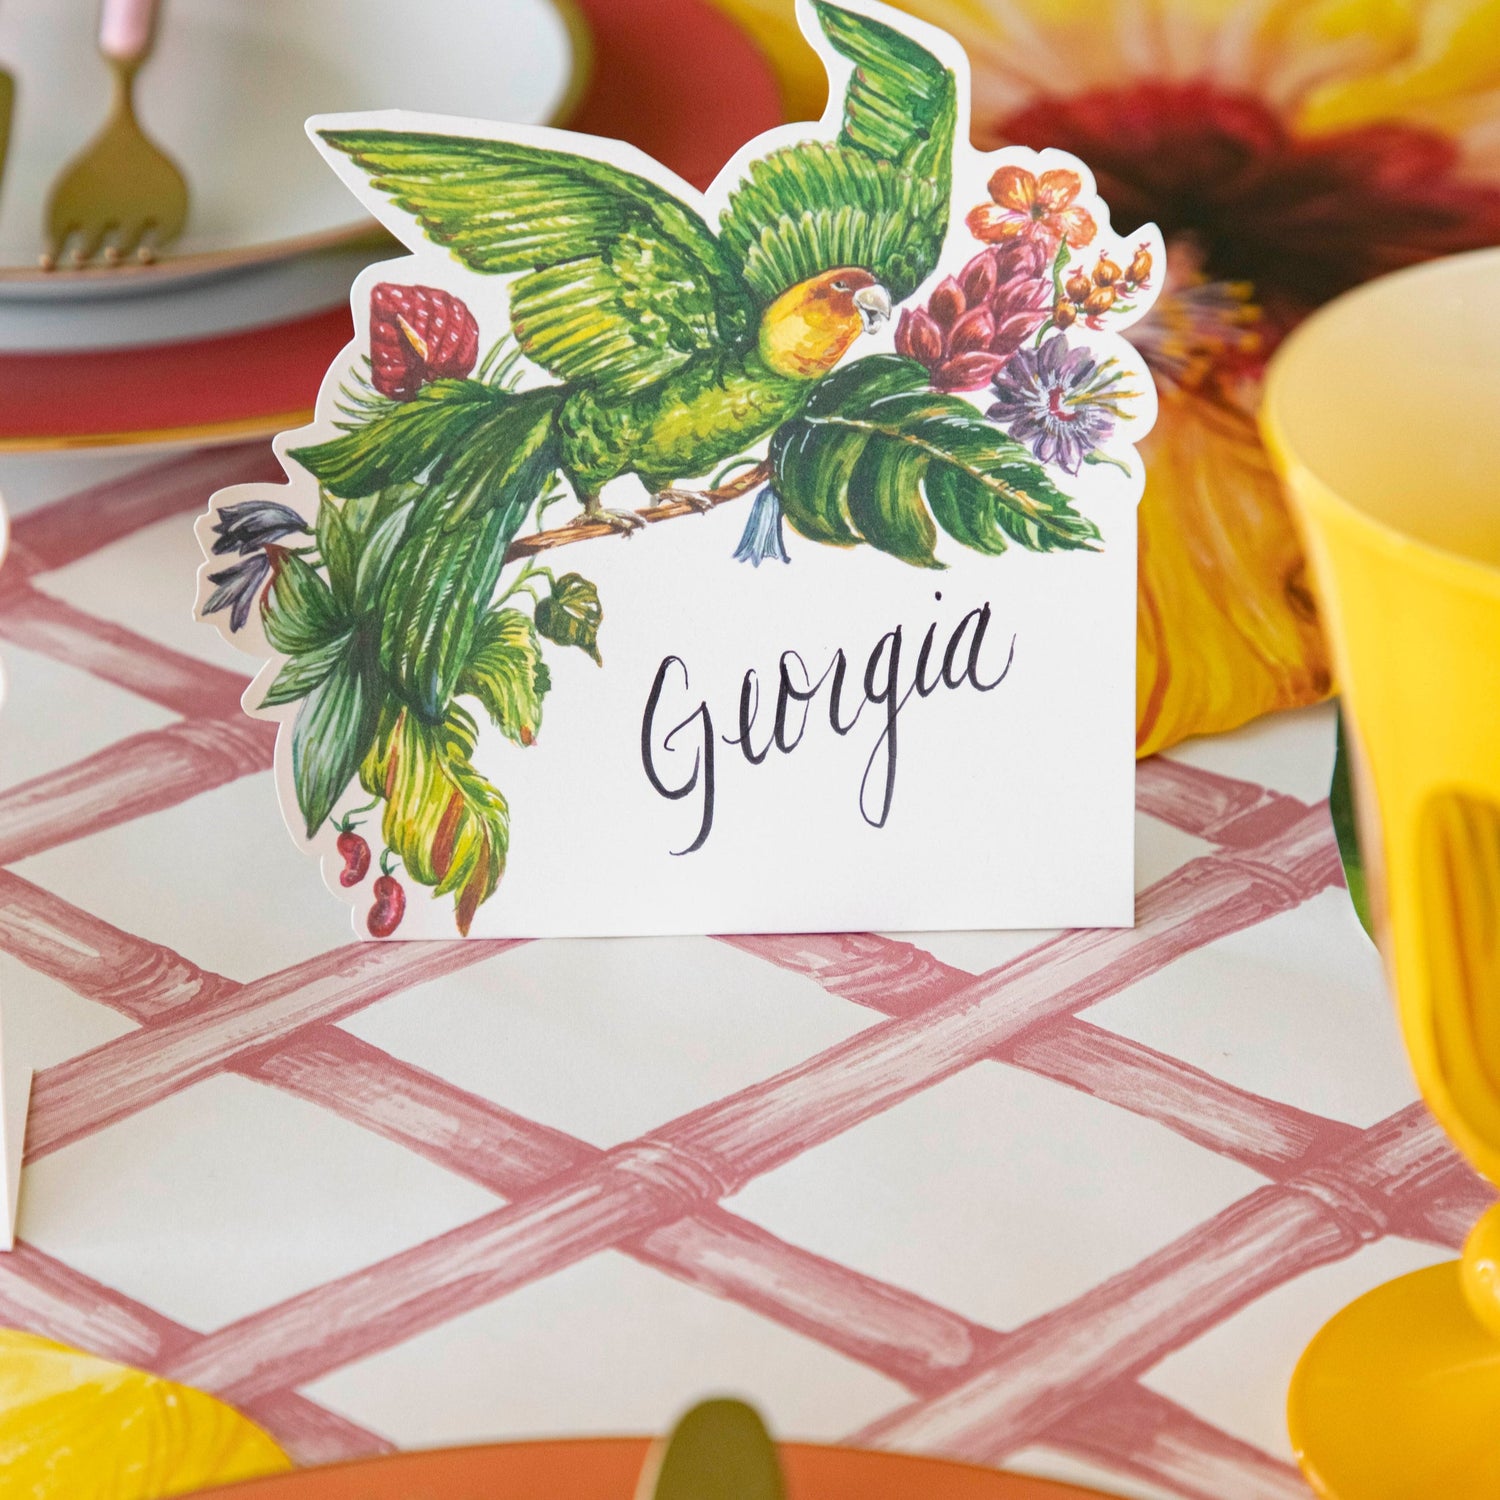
(675, 77)
(607, 1468)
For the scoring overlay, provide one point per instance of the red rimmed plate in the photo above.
(607, 1469)
(675, 77)
(201, 391)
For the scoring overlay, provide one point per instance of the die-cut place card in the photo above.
(757, 560)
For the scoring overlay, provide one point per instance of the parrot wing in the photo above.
(878, 196)
(622, 283)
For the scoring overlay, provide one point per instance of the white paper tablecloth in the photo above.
(1067, 1204)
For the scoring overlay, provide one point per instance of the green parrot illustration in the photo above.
(676, 348)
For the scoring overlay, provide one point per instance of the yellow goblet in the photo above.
(1383, 413)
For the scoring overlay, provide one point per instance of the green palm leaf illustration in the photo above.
(877, 456)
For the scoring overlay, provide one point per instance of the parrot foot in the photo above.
(624, 521)
(695, 499)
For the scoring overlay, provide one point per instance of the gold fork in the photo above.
(7, 105)
(121, 195)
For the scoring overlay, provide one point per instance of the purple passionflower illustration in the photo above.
(238, 588)
(248, 526)
(762, 537)
(1062, 403)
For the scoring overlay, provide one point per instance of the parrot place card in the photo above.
(753, 560)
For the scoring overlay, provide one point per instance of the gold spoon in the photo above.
(720, 1450)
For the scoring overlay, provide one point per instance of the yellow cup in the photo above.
(1383, 413)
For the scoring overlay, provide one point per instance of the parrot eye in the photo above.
(841, 286)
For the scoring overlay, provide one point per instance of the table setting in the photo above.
(881, 622)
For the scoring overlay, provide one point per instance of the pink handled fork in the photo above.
(122, 194)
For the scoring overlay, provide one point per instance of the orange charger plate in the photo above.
(607, 1469)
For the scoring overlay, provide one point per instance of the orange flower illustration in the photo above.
(1039, 210)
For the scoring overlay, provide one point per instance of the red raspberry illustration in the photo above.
(417, 334)
(355, 853)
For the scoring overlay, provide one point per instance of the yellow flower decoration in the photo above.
(1288, 151)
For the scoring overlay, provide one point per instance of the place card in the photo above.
(755, 560)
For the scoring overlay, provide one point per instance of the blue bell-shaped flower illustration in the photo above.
(762, 536)
(248, 526)
(238, 589)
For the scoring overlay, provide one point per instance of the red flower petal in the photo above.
(1010, 334)
(919, 338)
(1020, 257)
(967, 372)
(1076, 226)
(972, 332)
(980, 277)
(947, 303)
(1023, 294)
(1057, 189)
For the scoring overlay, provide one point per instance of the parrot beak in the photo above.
(874, 304)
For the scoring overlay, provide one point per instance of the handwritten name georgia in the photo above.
(961, 665)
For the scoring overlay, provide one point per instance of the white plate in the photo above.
(248, 297)
(226, 93)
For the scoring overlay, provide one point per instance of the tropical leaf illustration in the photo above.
(571, 614)
(449, 826)
(300, 612)
(330, 737)
(506, 673)
(400, 440)
(878, 456)
(302, 673)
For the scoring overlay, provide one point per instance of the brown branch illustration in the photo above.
(670, 503)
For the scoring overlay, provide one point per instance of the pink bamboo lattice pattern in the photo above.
(1070, 1379)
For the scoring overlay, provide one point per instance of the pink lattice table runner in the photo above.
(1066, 1203)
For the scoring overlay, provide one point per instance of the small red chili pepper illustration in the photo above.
(355, 853)
(389, 908)
(353, 849)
